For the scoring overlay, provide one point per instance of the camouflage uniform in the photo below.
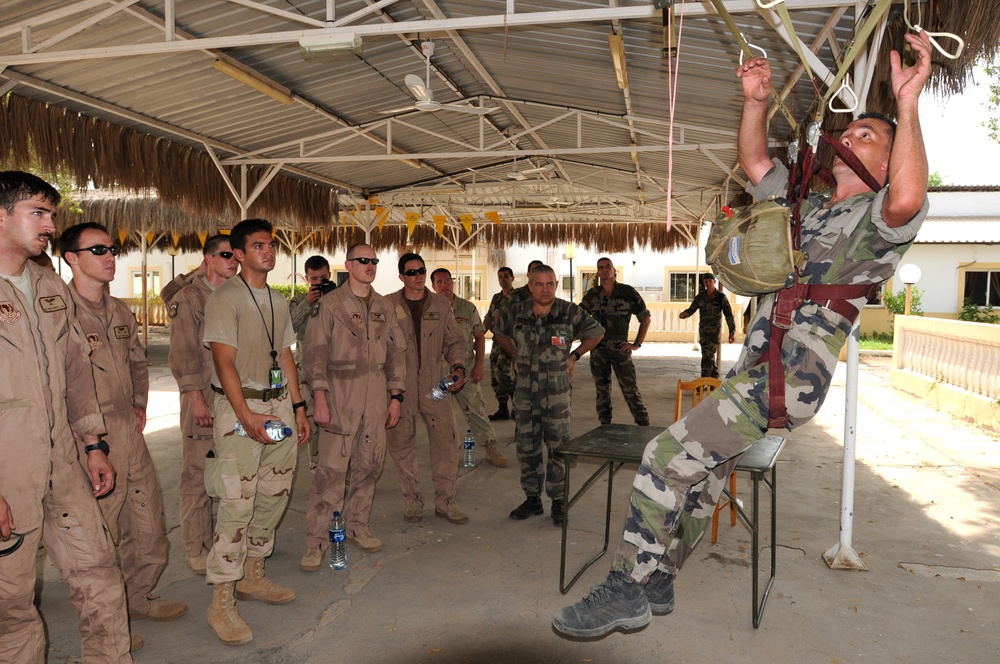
(713, 307)
(613, 313)
(684, 469)
(251, 480)
(543, 389)
(501, 364)
(470, 397)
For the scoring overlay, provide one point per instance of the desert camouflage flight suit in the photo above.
(713, 307)
(685, 468)
(470, 397)
(48, 385)
(191, 365)
(134, 509)
(501, 364)
(543, 390)
(251, 480)
(302, 312)
(614, 313)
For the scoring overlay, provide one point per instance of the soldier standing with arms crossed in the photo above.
(248, 328)
(191, 365)
(354, 362)
(45, 496)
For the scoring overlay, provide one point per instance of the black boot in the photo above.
(502, 412)
(532, 506)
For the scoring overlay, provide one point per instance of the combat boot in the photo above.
(494, 455)
(502, 412)
(254, 585)
(224, 618)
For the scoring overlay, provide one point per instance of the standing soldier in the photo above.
(248, 328)
(191, 364)
(612, 305)
(470, 397)
(713, 305)
(45, 496)
(434, 350)
(174, 286)
(539, 334)
(303, 307)
(501, 365)
(134, 511)
(355, 366)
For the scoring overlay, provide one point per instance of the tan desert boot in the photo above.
(224, 618)
(254, 585)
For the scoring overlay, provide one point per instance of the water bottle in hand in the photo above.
(338, 545)
(276, 430)
(469, 448)
(440, 391)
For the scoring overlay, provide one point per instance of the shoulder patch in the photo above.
(9, 313)
(172, 309)
(51, 303)
(121, 332)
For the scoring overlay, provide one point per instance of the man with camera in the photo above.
(303, 307)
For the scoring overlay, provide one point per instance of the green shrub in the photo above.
(975, 314)
(286, 290)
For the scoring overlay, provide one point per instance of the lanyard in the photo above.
(269, 333)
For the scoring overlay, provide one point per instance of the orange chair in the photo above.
(699, 389)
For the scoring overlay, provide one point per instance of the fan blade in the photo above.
(471, 110)
(393, 111)
(417, 88)
(541, 169)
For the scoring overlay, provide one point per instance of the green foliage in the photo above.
(974, 314)
(992, 123)
(895, 303)
(286, 289)
(935, 179)
(876, 341)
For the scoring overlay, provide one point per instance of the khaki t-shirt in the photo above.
(234, 318)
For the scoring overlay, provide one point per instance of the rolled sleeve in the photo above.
(775, 183)
(898, 234)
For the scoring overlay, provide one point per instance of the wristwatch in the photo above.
(397, 397)
(637, 344)
(575, 354)
(297, 405)
(101, 445)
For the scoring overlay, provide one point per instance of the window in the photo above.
(464, 286)
(684, 286)
(152, 282)
(339, 277)
(982, 287)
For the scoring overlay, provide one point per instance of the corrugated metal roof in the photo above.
(960, 230)
(334, 131)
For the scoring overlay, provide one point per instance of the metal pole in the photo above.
(842, 555)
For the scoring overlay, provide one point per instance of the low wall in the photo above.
(953, 365)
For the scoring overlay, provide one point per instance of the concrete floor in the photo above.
(926, 524)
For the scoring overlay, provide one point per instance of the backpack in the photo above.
(750, 248)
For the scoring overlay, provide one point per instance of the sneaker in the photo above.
(558, 512)
(494, 455)
(312, 559)
(532, 506)
(660, 593)
(613, 604)
(413, 515)
(366, 542)
(455, 515)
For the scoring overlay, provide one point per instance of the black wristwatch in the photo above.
(101, 445)
(397, 397)
(297, 405)
(575, 354)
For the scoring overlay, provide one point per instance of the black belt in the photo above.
(263, 395)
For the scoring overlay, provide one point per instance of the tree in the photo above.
(935, 179)
(993, 103)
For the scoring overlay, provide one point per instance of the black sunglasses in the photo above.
(364, 260)
(98, 250)
(414, 272)
(225, 254)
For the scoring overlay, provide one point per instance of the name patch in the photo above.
(50, 303)
(121, 332)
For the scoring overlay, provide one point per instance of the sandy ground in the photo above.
(925, 523)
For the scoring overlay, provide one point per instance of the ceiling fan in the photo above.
(424, 96)
(523, 175)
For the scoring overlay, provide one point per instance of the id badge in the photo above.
(558, 341)
(277, 378)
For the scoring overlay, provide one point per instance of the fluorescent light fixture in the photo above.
(319, 46)
(618, 59)
(250, 78)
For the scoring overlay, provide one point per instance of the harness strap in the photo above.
(849, 158)
(835, 297)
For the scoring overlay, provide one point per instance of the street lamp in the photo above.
(570, 254)
(909, 274)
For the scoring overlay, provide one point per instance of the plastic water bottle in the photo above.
(440, 391)
(469, 446)
(338, 547)
(276, 430)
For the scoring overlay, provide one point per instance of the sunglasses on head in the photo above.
(415, 271)
(225, 254)
(364, 260)
(98, 250)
